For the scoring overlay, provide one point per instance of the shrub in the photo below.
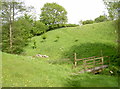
(39, 28)
(57, 38)
(87, 22)
(44, 37)
(55, 26)
(101, 19)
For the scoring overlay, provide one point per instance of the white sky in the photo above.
(77, 9)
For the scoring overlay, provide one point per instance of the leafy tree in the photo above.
(52, 13)
(101, 18)
(112, 6)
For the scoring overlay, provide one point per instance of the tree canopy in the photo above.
(52, 13)
(112, 7)
(15, 31)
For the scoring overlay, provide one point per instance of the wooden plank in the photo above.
(98, 58)
(91, 57)
(89, 60)
(89, 66)
(79, 59)
(98, 61)
(94, 69)
(88, 57)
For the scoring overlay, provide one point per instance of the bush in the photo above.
(55, 26)
(112, 70)
(39, 28)
(101, 18)
(44, 37)
(71, 25)
(87, 22)
(57, 38)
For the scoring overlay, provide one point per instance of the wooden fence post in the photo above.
(102, 57)
(94, 64)
(102, 61)
(75, 62)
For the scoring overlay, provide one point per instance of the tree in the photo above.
(112, 6)
(15, 31)
(101, 18)
(9, 11)
(52, 13)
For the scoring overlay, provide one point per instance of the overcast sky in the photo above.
(77, 9)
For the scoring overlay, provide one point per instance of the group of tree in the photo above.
(18, 27)
(101, 18)
(11, 34)
(112, 7)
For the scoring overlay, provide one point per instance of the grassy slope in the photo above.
(91, 40)
(26, 71)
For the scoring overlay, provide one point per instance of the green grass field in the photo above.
(60, 45)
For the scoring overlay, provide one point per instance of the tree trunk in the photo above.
(13, 10)
(10, 29)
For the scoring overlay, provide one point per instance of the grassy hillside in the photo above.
(56, 70)
(86, 41)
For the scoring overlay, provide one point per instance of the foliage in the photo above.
(55, 26)
(16, 29)
(22, 31)
(44, 37)
(10, 9)
(39, 28)
(71, 25)
(87, 22)
(101, 18)
(52, 13)
(112, 7)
